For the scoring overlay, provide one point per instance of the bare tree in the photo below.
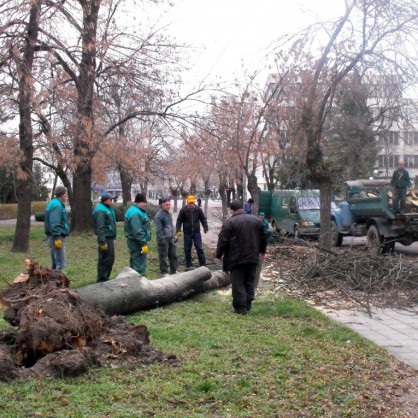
(372, 36)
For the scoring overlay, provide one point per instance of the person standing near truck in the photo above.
(400, 183)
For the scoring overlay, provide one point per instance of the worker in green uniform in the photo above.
(138, 233)
(105, 228)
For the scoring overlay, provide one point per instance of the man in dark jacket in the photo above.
(105, 229)
(242, 243)
(166, 238)
(191, 216)
(400, 183)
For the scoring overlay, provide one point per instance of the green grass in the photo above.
(284, 359)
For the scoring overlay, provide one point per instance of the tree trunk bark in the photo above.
(24, 188)
(325, 190)
(129, 292)
(81, 219)
(126, 181)
(255, 192)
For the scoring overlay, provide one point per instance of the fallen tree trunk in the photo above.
(129, 292)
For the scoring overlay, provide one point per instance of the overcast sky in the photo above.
(228, 34)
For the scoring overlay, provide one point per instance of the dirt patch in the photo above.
(57, 334)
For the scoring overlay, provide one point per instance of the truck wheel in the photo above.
(336, 237)
(374, 241)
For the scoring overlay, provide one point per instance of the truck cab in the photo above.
(367, 211)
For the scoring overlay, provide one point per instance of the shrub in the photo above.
(120, 211)
(152, 210)
(39, 216)
(9, 210)
(38, 207)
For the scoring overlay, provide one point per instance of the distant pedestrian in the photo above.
(190, 217)
(199, 202)
(166, 239)
(242, 242)
(400, 182)
(57, 228)
(138, 233)
(248, 205)
(105, 228)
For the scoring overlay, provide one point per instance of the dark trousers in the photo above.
(105, 261)
(399, 199)
(189, 239)
(243, 281)
(167, 253)
(138, 261)
(257, 274)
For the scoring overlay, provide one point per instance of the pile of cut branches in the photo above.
(349, 275)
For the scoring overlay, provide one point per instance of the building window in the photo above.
(411, 161)
(392, 138)
(411, 138)
(388, 161)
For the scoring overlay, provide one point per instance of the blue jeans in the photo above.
(58, 258)
(189, 239)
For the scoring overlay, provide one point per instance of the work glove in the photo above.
(58, 244)
(205, 231)
(103, 247)
(144, 249)
(179, 234)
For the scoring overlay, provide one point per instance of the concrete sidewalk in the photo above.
(395, 330)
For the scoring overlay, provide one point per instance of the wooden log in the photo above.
(129, 292)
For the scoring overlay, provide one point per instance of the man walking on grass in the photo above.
(242, 243)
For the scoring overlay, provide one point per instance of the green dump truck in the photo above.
(367, 211)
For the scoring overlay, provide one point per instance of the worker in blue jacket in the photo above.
(138, 233)
(57, 228)
(105, 228)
